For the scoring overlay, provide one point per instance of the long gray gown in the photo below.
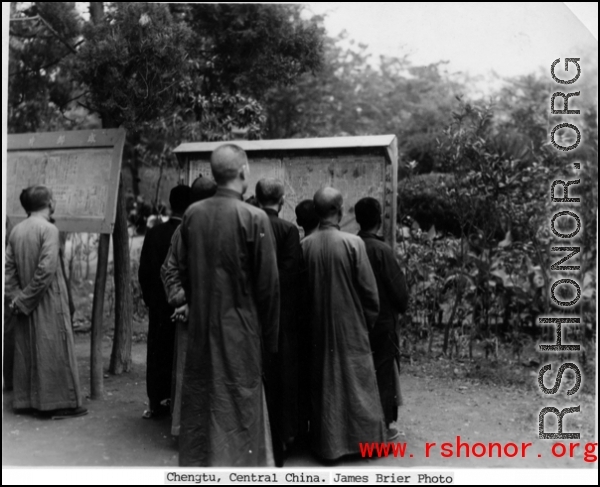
(45, 367)
(346, 408)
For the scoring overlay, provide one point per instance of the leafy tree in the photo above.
(354, 95)
(42, 36)
(165, 72)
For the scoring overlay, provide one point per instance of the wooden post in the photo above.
(391, 231)
(120, 359)
(97, 369)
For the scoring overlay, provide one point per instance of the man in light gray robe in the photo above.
(344, 304)
(45, 369)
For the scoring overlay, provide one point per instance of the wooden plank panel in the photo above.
(81, 168)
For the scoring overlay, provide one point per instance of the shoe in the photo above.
(161, 412)
(392, 432)
(69, 413)
(26, 411)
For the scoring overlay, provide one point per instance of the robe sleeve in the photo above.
(11, 275)
(144, 269)
(291, 254)
(180, 260)
(28, 299)
(169, 273)
(266, 282)
(394, 281)
(366, 285)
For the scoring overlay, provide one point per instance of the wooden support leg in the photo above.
(97, 371)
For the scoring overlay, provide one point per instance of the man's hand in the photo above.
(14, 308)
(181, 313)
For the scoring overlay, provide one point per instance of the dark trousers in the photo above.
(159, 360)
(386, 360)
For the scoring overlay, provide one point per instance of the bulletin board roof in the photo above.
(383, 141)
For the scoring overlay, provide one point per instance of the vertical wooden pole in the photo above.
(120, 359)
(97, 369)
(391, 235)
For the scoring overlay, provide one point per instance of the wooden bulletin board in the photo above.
(81, 168)
(357, 166)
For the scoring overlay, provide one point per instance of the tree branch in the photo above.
(25, 19)
(57, 35)
(88, 108)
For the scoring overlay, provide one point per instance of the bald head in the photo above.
(328, 203)
(227, 163)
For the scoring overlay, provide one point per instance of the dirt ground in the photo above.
(441, 401)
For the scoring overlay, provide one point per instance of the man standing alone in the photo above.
(345, 402)
(393, 299)
(227, 255)
(46, 378)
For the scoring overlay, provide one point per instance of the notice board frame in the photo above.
(385, 145)
(77, 139)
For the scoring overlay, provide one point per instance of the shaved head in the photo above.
(227, 162)
(328, 203)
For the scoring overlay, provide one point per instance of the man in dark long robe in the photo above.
(282, 378)
(202, 188)
(345, 402)
(227, 261)
(46, 378)
(307, 218)
(393, 299)
(161, 330)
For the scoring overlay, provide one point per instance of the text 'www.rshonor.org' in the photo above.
(462, 449)
(323, 477)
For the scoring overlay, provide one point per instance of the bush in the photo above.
(423, 198)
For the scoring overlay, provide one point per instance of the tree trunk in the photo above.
(135, 174)
(120, 360)
(96, 11)
(133, 140)
(452, 315)
(157, 192)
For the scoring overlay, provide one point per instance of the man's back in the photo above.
(391, 283)
(334, 256)
(27, 239)
(227, 251)
(282, 374)
(154, 251)
(45, 368)
(344, 305)
(393, 299)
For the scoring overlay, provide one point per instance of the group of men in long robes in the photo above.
(255, 337)
(279, 338)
